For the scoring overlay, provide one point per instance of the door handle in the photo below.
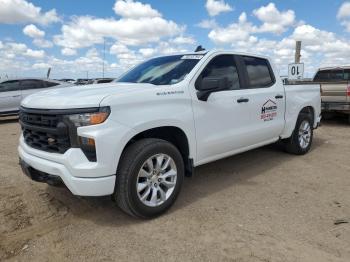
(279, 96)
(16, 96)
(243, 100)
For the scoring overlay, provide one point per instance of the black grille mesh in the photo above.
(45, 132)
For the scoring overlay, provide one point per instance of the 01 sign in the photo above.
(295, 71)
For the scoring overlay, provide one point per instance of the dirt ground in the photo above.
(263, 205)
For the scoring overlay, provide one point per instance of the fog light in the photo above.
(87, 141)
(87, 145)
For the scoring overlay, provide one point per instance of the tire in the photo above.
(135, 171)
(295, 144)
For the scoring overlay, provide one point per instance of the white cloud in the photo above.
(34, 53)
(40, 42)
(22, 11)
(274, 21)
(207, 24)
(320, 47)
(68, 51)
(147, 52)
(41, 66)
(344, 15)
(32, 31)
(119, 48)
(215, 7)
(344, 11)
(239, 31)
(131, 9)
(86, 31)
(184, 40)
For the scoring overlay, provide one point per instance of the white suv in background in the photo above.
(12, 91)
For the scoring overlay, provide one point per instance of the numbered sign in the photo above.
(295, 71)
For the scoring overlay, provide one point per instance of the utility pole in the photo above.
(104, 58)
(297, 52)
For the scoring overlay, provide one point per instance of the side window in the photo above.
(259, 72)
(50, 84)
(223, 66)
(337, 75)
(347, 74)
(31, 84)
(9, 86)
(323, 75)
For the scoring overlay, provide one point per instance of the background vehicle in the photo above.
(12, 91)
(136, 138)
(68, 80)
(94, 81)
(335, 89)
(82, 81)
(102, 80)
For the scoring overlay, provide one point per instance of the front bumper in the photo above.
(336, 107)
(64, 166)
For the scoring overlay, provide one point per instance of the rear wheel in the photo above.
(149, 178)
(300, 141)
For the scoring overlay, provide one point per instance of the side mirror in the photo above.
(210, 85)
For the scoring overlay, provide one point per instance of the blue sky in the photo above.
(69, 35)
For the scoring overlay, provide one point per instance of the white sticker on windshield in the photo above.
(196, 57)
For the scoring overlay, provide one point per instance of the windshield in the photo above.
(167, 70)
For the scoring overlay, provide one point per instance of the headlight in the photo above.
(88, 119)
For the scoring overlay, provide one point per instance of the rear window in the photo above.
(332, 75)
(259, 73)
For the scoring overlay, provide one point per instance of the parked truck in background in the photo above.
(335, 89)
(137, 138)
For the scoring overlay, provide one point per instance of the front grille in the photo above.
(44, 131)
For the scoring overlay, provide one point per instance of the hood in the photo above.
(80, 96)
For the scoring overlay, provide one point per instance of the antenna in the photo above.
(199, 48)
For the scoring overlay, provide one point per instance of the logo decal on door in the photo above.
(269, 111)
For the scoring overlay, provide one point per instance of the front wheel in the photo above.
(300, 141)
(149, 178)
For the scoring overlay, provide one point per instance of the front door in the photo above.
(221, 122)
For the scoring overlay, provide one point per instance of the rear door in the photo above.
(10, 96)
(266, 99)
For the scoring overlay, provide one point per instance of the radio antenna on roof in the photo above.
(199, 49)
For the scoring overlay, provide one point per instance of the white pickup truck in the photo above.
(137, 138)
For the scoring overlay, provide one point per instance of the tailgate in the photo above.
(335, 92)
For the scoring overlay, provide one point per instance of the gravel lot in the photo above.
(263, 205)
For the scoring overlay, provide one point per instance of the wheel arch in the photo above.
(309, 110)
(290, 125)
(174, 135)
